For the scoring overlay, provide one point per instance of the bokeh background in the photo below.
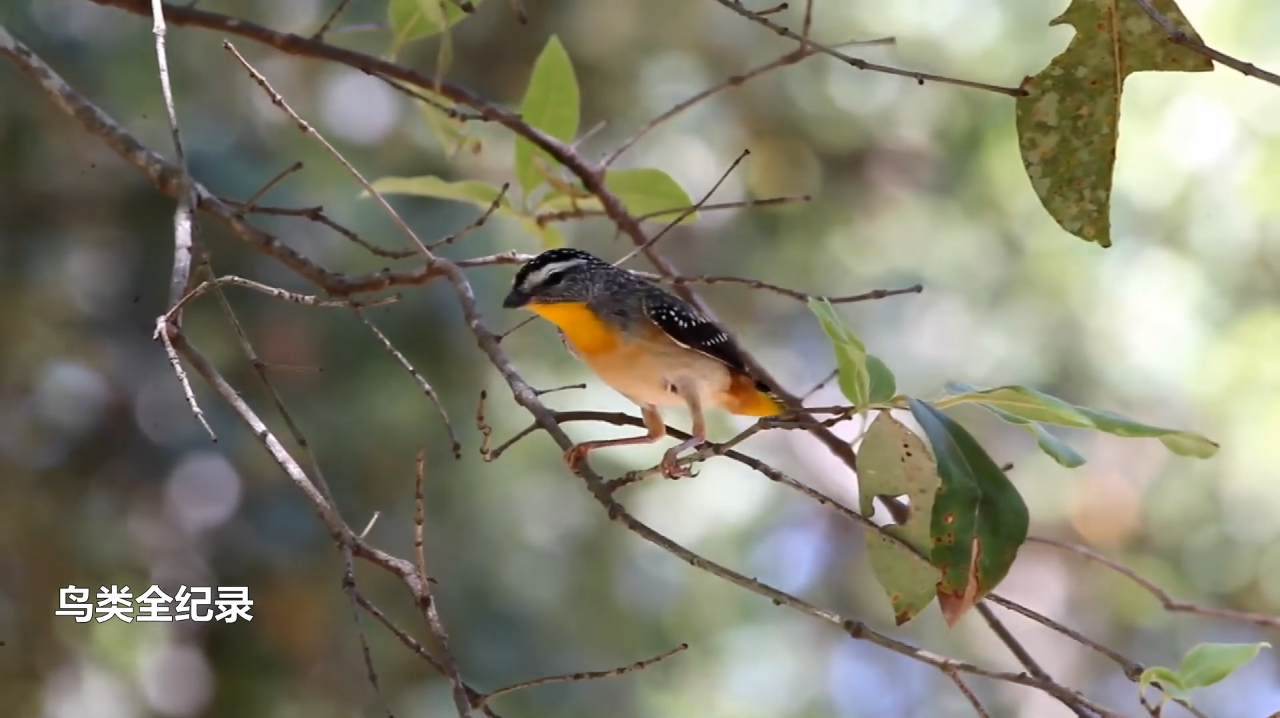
(106, 478)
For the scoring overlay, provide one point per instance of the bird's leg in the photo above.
(652, 421)
(698, 435)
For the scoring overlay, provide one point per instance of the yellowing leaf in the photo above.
(893, 461)
(550, 104)
(1069, 121)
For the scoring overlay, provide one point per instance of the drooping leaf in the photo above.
(979, 519)
(414, 19)
(851, 356)
(893, 461)
(1059, 450)
(551, 104)
(1209, 663)
(863, 378)
(1068, 122)
(1032, 405)
(481, 194)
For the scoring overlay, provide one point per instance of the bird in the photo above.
(646, 343)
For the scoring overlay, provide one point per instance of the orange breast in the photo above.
(580, 325)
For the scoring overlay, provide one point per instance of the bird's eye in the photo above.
(553, 280)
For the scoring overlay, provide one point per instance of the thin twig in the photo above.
(162, 333)
(580, 213)
(790, 58)
(328, 21)
(644, 246)
(310, 131)
(316, 214)
(182, 218)
(349, 588)
(284, 294)
(1023, 655)
(584, 675)
(253, 199)
(419, 514)
(1169, 603)
(808, 20)
(1178, 37)
(968, 693)
(486, 431)
(455, 445)
(478, 223)
(920, 77)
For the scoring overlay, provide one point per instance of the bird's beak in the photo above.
(515, 299)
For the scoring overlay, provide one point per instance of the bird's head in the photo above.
(556, 276)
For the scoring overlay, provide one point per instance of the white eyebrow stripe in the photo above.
(540, 275)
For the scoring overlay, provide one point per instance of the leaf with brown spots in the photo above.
(979, 520)
(893, 461)
(1069, 121)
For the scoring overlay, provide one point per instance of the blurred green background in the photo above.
(106, 478)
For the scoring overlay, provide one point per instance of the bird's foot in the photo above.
(673, 470)
(577, 454)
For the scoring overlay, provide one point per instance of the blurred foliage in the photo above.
(107, 479)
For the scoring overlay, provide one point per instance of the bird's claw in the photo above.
(576, 454)
(672, 470)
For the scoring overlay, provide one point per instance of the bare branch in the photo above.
(310, 131)
(647, 244)
(455, 445)
(1178, 37)
(584, 675)
(316, 214)
(1169, 603)
(968, 693)
(253, 200)
(1024, 656)
(419, 514)
(162, 333)
(478, 223)
(920, 77)
(790, 58)
(580, 213)
(328, 21)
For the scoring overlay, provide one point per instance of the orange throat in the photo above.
(580, 325)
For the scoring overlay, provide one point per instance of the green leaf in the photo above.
(648, 193)
(1182, 443)
(414, 19)
(979, 520)
(1169, 681)
(1069, 120)
(883, 384)
(551, 105)
(1034, 406)
(481, 194)
(1055, 447)
(893, 461)
(1209, 663)
(851, 356)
